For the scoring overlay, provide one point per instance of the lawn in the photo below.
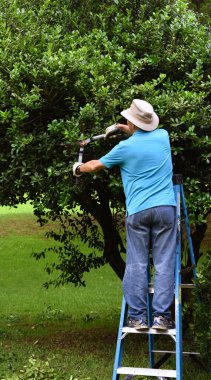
(72, 329)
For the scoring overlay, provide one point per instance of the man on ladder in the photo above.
(146, 169)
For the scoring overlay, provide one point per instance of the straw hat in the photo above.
(142, 115)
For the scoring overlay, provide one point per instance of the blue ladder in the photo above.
(176, 334)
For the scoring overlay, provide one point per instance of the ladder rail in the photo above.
(178, 296)
(119, 347)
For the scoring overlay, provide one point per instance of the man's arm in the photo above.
(91, 166)
(88, 167)
(124, 128)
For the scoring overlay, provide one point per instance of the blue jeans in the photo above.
(156, 229)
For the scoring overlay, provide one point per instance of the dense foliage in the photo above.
(69, 67)
(201, 326)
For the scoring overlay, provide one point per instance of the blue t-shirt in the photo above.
(146, 169)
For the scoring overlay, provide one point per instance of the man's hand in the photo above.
(111, 131)
(76, 169)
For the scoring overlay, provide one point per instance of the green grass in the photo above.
(75, 328)
(21, 209)
(22, 277)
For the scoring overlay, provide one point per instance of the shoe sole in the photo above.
(160, 328)
(141, 328)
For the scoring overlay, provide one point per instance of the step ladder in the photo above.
(174, 334)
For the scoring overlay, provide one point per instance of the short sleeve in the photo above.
(113, 158)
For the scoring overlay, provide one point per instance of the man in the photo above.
(146, 169)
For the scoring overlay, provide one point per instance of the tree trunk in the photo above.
(197, 237)
(198, 4)
(113, 245)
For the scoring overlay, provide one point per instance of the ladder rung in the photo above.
(188, 286)
(146, 371)
(174, 352)
(149, 331)
(183, 286)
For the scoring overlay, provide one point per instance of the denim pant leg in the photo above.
(163, 241)
(135, 282)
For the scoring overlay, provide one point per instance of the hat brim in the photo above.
(141, 124)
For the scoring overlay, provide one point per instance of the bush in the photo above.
(201, 325)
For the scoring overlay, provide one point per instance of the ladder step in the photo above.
(146, 371)
(174, 352)
(132, 330)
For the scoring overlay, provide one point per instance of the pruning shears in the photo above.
(110, 132)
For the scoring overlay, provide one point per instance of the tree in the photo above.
(70, 67)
